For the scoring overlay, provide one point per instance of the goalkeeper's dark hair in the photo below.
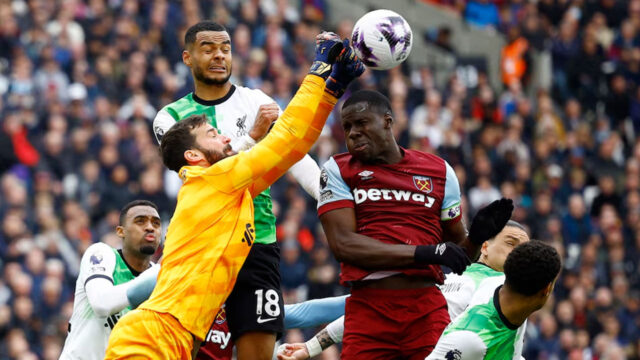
(134, 203)
(531, 267)
(190, 35)
(373, 98)
(179, 139)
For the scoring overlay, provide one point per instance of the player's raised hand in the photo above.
(296, 351)
(448, 254)
(328, 47)
(490, 220)
(346, 68)
(267, 114)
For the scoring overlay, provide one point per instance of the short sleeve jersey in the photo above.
(480, 332)
(401, 203)
(460, 289)
(89, 333)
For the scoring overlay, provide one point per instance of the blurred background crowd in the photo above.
(81, 81)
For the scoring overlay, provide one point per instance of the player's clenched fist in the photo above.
(448, 254)
(267, 114)
(297, 351)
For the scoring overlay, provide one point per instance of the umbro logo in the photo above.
(365, 175)
(248, 234)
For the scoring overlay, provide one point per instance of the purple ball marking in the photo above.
(386, 29)
(365, 51)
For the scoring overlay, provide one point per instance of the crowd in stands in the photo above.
(81, 81)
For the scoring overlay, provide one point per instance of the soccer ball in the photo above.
(382, 39)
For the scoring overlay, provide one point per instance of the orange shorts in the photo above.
(146, 334)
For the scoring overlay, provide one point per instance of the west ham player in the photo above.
(241, 114)
(212, 229)
(489, 329)
(476, 284)
(110, 281)
(385, 211)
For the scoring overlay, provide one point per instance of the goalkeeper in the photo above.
(212, 228)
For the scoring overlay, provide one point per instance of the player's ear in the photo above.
(388, 121)
(548, 289)
(193, 156)
(120, 232)
(484, 250)
(186, 58)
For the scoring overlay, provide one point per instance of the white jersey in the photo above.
(459, 290)
(234, 116)
(89, 333)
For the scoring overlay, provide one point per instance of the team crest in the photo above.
(365, 175)
(423, 183)
(221, 317)
(241, 124)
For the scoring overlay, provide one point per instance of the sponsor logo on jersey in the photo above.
(361, 195)
(95, 259)
(451, 287)
(242, 126)
(365, 175)
(248, 236)
(324, 178)
(423, 183)
(112, 320)
(454, 354)
(219, 337)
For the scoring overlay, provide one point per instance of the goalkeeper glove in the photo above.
(328, 47)
(346, 68)
(490, 220)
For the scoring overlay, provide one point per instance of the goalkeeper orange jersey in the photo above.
(212, 230)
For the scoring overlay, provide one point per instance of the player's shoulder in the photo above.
(98, 253)
(421, 155)
(342, 159)
(99, 247)
(254, 95)
(177, 105)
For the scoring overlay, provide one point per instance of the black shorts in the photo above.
(256, 304)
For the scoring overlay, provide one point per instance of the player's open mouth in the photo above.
(218, 69)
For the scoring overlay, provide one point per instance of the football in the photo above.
(382, 39)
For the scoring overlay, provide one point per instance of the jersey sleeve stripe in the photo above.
(340, 204)
(97, 276)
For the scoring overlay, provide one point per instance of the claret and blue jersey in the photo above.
(401, 203)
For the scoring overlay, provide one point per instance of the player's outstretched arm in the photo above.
(332, 334)
(293, 134)
(314, 312)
